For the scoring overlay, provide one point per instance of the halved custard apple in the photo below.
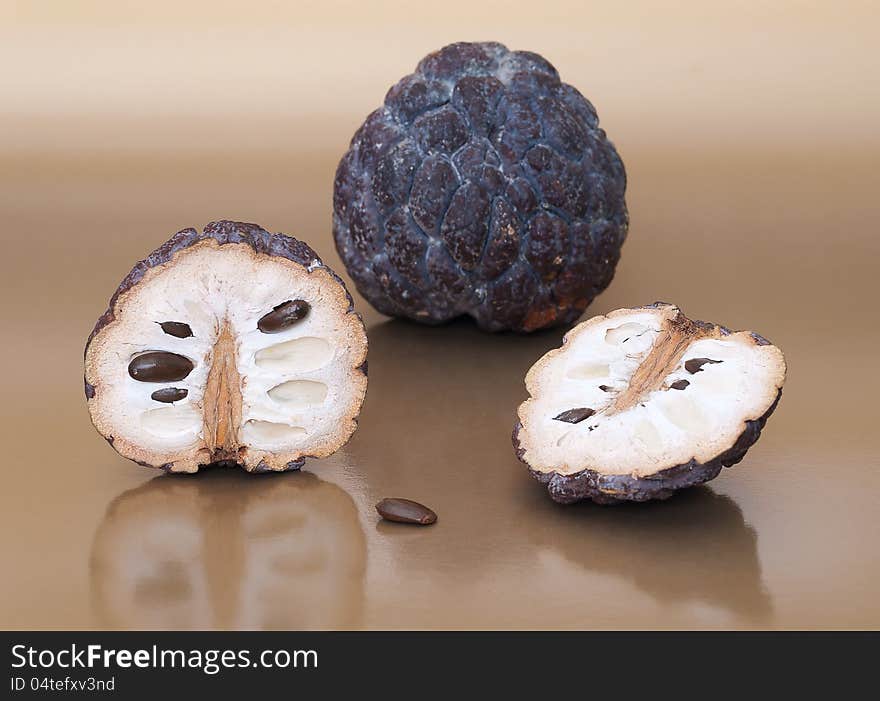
(233, 345)
(642, 402)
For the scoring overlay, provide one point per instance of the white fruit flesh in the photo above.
(300, 389)
(623, 366)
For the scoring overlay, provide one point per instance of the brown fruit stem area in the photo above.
(673, 340)
(222, 401)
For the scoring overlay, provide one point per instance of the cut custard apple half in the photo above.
(642, 402)
(233, 345)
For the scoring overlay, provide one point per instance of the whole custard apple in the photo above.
(483, 186)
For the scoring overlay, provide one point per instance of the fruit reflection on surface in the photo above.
(230, 550)
(693, 548)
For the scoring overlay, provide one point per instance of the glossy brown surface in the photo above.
(751, 144)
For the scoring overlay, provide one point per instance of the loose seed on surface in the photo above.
(168, 395)
(406, 511)
(159, 366)
(679, 384)
(283, 316)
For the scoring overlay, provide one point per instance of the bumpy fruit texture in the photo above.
(645, 401)
(484, 186)
(232, 345)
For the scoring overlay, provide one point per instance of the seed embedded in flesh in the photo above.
(283, 316)
(679, 384)
(695, 365)
(574, 416)
(177, 329)
(169, 395)
(159, 366)
(406, 511)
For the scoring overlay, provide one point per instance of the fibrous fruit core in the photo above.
(232, 345)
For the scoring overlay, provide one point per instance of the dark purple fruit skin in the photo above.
(483, 186)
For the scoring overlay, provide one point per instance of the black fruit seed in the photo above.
(679, 384)
(574, 416)
(283, 316)
(406, 511)
(177, 329)
(159, 366)
(695, 365)
(167, 395)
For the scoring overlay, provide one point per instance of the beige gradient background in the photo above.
(750, 134)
